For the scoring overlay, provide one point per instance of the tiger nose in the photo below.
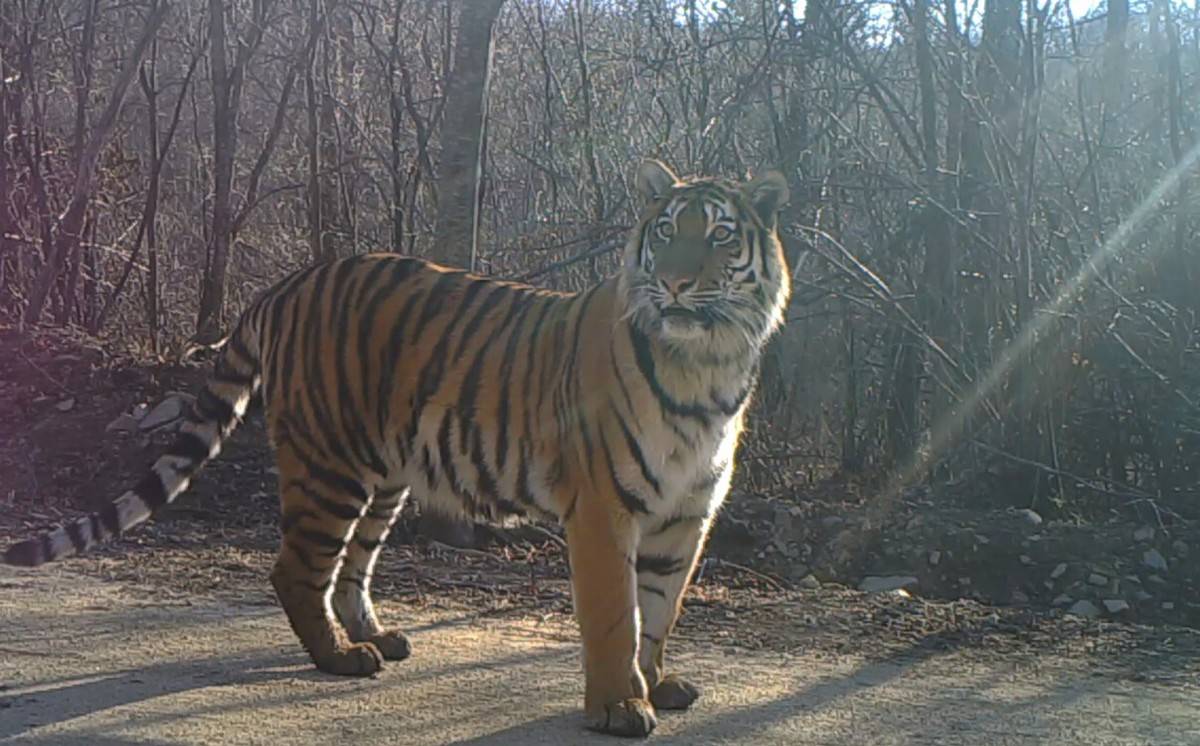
(678, 285)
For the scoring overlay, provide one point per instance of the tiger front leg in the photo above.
(601, 545)
(666, 558)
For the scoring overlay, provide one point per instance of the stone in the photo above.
(1026, 559)
(1153, 559)
(884, 583)
(1062, 600)
(1168, 606)
(1085, 609)
(1116, 605)
(1019, 598)
(1145, 533)
(123, 424)
(66, 405)
(1032, 517)
(935, 557)
(1141, 596)
(1097, 579)
(1058, 571)
(168, 411)
(810, 582)
(1179, 548)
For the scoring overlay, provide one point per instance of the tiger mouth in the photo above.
(691, 316)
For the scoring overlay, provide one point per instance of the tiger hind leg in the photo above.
(320, 514)
(352, 590)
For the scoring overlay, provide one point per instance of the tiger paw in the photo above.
(673, 693)
(356, 659)
(392, 644)
(631, 718)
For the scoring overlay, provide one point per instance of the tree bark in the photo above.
(463, 130)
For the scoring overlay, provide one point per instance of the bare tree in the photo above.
(463, 135)
(70, 224)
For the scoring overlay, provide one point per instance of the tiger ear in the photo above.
(654, 180)
(768, 193)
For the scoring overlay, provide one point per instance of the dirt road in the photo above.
(85, 661)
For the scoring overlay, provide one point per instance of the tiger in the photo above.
(615, 411)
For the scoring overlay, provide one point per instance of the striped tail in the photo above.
(217, 411)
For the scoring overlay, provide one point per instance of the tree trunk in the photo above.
(227, 95)
(461, 167)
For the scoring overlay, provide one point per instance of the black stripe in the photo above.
(292, 517)
(629, 499)
(645, 362)
(369, 545)
(239, 348)
(401, 270)
(506, 371)
(571, 508)
(469, 391)
(339, 483)
(321, 539)
(96, 527)
(674, 521)
(110, 518)
(191, 447)
(213, 408)
(151, 491)
(658, 564)
(446, 456)
(388, 373)
(647, 588)
(75, 534)
(355, 580)
(333, 507)
(635, 449)
(652, 638)
(431, 474)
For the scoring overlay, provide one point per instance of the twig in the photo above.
(46, 375)
(778, 585)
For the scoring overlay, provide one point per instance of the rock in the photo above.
(1156, 579)
(810, 582)
(66, 405)
(1116, 605)
(1026, 559)
(1168, 606)
(1141, 596)
(1058, 571)
(879, 584)
(1179, 548)
(1019, 598)
(140, 411)
(1032, 517)
(169, 410)
(125, 424)
(1153, 559)
(832, 521)
(1062, 600)
(1097, 579)
(1085, 609)
(1145, 533)
(934, 558)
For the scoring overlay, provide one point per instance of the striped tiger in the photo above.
(615, 411)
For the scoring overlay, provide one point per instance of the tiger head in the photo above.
(705, 265)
